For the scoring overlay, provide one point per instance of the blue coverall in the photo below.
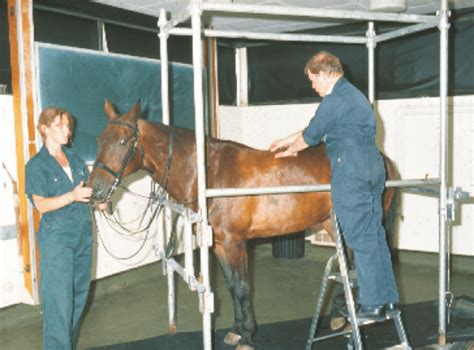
(64, 239)
(346, 123)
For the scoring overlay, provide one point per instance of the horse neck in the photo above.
(176, 173)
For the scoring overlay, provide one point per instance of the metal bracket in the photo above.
(206, 302)
(371, 43)
(204, 235)
(454, 195)
(193, 217)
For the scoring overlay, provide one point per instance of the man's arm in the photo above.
(289, 146)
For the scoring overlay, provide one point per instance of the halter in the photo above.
(132, 148)
(134, 141)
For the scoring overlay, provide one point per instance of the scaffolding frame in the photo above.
(194, 11)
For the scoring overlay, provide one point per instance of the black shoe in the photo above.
(367, 313)
(371, 313)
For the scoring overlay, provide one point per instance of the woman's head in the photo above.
(55, 123)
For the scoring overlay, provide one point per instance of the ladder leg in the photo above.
(319, 304)
(346, 283)
(397, 319)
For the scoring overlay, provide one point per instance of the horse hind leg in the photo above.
(234, 263)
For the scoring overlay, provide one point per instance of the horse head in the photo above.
(119, 152)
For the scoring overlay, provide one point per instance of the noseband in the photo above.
(132, 148)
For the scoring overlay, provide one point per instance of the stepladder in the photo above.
(348, 279)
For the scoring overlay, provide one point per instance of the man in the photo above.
(345, 121)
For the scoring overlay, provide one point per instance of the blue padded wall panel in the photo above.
(80, 80)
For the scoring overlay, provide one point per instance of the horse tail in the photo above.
(391, 199)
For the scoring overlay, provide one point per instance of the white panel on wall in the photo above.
(11, 283)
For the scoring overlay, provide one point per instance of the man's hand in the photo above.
(288, 146)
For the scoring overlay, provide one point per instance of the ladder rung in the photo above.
(338, 278)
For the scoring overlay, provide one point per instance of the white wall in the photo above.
(408, 132)
(11, 278)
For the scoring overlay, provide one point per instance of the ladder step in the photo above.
(338, 278)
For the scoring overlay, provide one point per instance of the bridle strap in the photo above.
(129, 156)
(134, 141)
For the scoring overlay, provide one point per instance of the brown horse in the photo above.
(129, 144)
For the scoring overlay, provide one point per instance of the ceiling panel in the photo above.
(267, 24)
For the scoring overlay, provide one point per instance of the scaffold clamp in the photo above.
(204, 235)
(206, 302)
(455, 194)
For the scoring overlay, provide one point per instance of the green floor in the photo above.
(133, 306)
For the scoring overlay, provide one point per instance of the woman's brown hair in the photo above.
(49, 114)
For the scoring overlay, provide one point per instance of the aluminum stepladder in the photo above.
(348, 279)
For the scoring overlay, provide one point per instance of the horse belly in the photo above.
(272, 215)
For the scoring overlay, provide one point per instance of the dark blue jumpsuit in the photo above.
(346, 123)
(64, 239)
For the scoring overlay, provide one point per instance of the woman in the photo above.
(55, 179)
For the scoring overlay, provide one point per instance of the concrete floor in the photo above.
(132, 305)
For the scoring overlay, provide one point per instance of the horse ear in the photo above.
(135, 110)
(110, 110)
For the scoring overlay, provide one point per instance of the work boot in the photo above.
(371, 313)
(374, 313)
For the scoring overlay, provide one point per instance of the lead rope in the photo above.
(156, 213)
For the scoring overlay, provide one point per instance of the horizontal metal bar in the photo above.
(329, 336)
(231, 192)
(178, 208)
(404, 31)
(273, 36)
(182, 272)
(317, 13)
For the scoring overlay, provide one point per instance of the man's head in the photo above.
(323, 70)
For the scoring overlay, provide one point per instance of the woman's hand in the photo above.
(80, 193)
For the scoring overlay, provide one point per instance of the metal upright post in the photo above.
(443, 169)
(204, 230)
(371, 54)
(167, 213)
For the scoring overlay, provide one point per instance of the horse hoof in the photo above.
(337, 323)
(232, 338)
(244, 347)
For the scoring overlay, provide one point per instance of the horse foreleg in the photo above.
(233, 260)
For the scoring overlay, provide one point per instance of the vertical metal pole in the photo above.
(370, 34)
(443, 169)
(102, 37)
(167, 213)
(206, 296)
(241, 68)
(164, 68)
(188, 251)
(165, 110)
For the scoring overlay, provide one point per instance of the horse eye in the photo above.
(123, 142)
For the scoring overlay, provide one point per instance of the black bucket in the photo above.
(289, 246)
